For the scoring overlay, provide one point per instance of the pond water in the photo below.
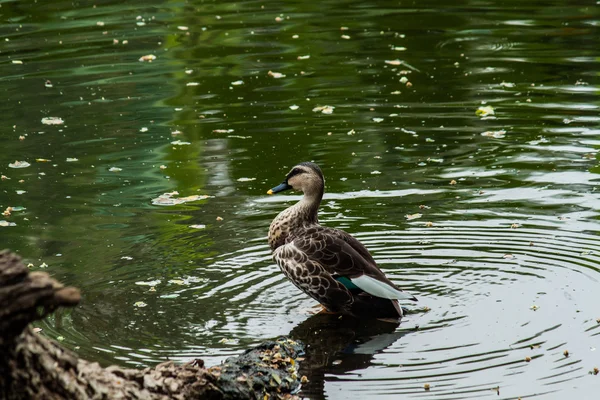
(481, 116)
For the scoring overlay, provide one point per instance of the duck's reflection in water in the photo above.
(337, 345)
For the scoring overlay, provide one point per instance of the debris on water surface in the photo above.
(324, 109)
(485, 111)
(428, 224)
(115, 169)
(276, 75)
(180, 143)
(426, 387)
(148, 283)
(223, 130)
(167, 199)
(345, 37)
(182, 28)
(219, 219)
(19, 164)
(378, 120)
(514, 226)
(48, 83)
(72, 159)
(453, 182)
(198, 226)
(566, 353)
(413, 216)
(595, 371)
(306, 57)
(294, 107)
(237, 83)
(140, 304)
(6, 223)
(534, 307)
(192, 84)
(246, 179)
(375, 172)
(42, 160)
(143, 129)
(163, 167)
(52, 121)
(17, 62)
(494, 134)
(304, 379)
(527, 359)
(148, 58)
(508, 256)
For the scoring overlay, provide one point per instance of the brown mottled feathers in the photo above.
(312, 257)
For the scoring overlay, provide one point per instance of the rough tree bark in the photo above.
(34, 367)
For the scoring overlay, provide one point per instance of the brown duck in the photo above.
(328, 264)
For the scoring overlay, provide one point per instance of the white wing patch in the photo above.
(380, 289)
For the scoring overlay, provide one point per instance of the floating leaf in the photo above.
(148, 58)
(52, 121)
(484, 111)
(494, 134)
(276, 75)
(148, 283)
(167, 199)
(19, 164)
(324, 109)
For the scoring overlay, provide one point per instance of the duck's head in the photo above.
(305, 177)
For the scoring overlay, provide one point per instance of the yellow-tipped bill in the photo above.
(270, 191)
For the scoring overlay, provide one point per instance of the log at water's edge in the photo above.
(34, 367)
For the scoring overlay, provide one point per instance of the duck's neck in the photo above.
(302, 214)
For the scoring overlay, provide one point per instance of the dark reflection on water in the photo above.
(504, 255)
(339, 345)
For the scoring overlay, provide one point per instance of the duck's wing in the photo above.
(311, 276)
(348, 261)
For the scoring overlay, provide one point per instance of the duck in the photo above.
(329, 264)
